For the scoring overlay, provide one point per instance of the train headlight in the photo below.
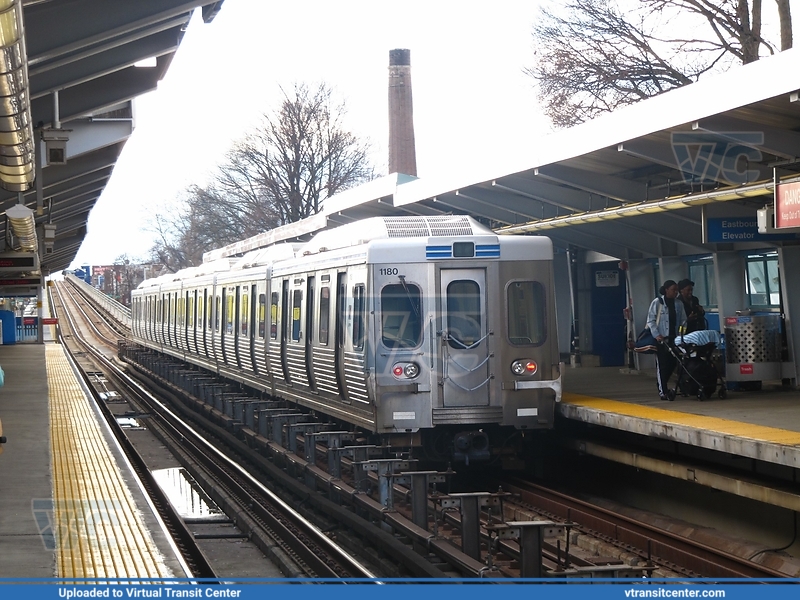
(404, 370)
(524, 367)
(412, 370)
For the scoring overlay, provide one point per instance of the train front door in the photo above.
(465, 344)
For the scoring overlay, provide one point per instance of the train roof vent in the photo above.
(223, 264)
(267, 256)
(439, 226)
(376, 228)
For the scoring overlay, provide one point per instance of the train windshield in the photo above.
(526, 313)
(401, 316)
(463, 313)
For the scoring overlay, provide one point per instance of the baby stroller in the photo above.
(697, 374)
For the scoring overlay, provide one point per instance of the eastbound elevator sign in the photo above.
(741, 229)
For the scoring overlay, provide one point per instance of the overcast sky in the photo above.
(470, 94)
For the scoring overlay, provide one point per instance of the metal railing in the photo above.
(121, 313)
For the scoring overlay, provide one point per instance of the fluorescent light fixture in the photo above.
(16, 131)
(23, 225)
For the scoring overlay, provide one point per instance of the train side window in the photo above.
(273, 316)
(358, 317)
(190, 309)
(463, 313)
(200, 314)
(218, 305)
(526, 313)
(244, 312)
(297, 302)
(324, 314)
(262, 315)
(229, 312)
(401, 323)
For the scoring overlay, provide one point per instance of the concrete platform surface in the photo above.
(763, 424)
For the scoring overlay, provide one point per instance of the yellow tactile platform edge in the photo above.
(723, 426)
(99, 531)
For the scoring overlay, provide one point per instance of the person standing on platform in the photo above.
(664, 319)
(695, 315)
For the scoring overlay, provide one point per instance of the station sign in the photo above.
(787, 205)
(17, 261)
(27, 282)
(49, 321)
(730, 230)
(606, 278)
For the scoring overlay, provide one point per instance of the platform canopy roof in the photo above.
(637, 183)
(80, 57)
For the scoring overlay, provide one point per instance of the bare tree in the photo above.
(280, 173)
(299, 155)
(594, 56)
(186, 232)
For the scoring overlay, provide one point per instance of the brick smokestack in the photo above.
(402, 153)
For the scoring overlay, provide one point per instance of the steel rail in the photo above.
(703, 559)
(204, 449)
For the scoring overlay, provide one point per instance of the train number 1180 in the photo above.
(388, 271)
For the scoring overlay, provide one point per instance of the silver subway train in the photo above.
(432, 330)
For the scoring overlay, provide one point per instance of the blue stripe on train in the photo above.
(438, 252)
(488, 251)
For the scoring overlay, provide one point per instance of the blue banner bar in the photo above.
(468, 589)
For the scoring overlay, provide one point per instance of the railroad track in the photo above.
(440, 534)
(254, 506)
(658, 547)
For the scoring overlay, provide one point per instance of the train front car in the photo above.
(464, 336)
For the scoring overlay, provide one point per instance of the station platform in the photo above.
(763, 425)
(69, 507)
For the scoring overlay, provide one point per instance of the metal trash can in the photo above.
(753, 347)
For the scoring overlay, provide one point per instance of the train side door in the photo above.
(465, 345)
(200, 327)
(309, 336)
(285, 326)
(251, 309)
(341, 334)
(188, 320)
(239, 323)
(216, 311)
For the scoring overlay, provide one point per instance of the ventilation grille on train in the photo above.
(444, 226)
